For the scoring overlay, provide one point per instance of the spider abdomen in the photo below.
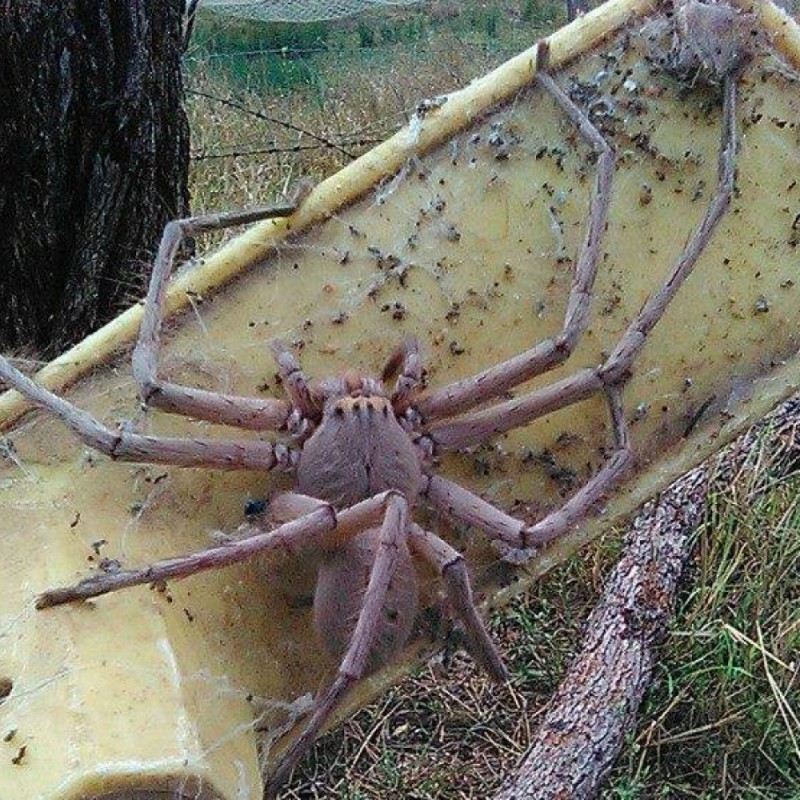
(358, 450)
(341, 583)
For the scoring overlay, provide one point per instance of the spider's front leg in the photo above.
(490, 383)
(617, 367)
(124, 445)
(610, 377)
(460, 504)
(243, 412)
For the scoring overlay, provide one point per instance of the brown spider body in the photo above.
(342, 580)
(710, 40)
(360, 450)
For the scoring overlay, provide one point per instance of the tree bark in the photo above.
(95, 150)
(597, 702)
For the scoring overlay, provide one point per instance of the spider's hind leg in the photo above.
(394, 527)
(450, 565)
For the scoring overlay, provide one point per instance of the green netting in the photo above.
(298, 10)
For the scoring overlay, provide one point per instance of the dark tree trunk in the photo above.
(95, 159)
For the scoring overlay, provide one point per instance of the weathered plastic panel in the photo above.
(154, 691)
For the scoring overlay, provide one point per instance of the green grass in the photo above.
(721, 719)
(279, 57)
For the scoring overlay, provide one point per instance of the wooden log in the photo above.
(597, 703)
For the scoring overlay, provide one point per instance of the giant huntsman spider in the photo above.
(362, 448)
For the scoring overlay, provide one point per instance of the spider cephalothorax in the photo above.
(363, 456)
(358, 449)
(357, 438)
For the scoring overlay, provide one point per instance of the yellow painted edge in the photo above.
(346, 186)
(784, 29)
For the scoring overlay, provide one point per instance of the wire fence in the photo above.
(268, 101)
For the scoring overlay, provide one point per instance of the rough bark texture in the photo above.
(597, 702)
(95, 159)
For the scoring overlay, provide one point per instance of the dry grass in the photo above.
(448, 732)
(721, 721)
(358, 98)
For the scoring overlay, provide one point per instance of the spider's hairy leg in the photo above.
(578, 506)
(469, 392)
(393, 529)
(242, 412)
(472, 429)
(458, 503)
(450, 565)
(126, 446)
(610, 377)
(619, 363)
(245, 543)
(315, 523)
(305, 397)
(407, 361)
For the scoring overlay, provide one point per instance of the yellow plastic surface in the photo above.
(157, 692)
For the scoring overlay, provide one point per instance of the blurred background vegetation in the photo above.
(271, 101)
